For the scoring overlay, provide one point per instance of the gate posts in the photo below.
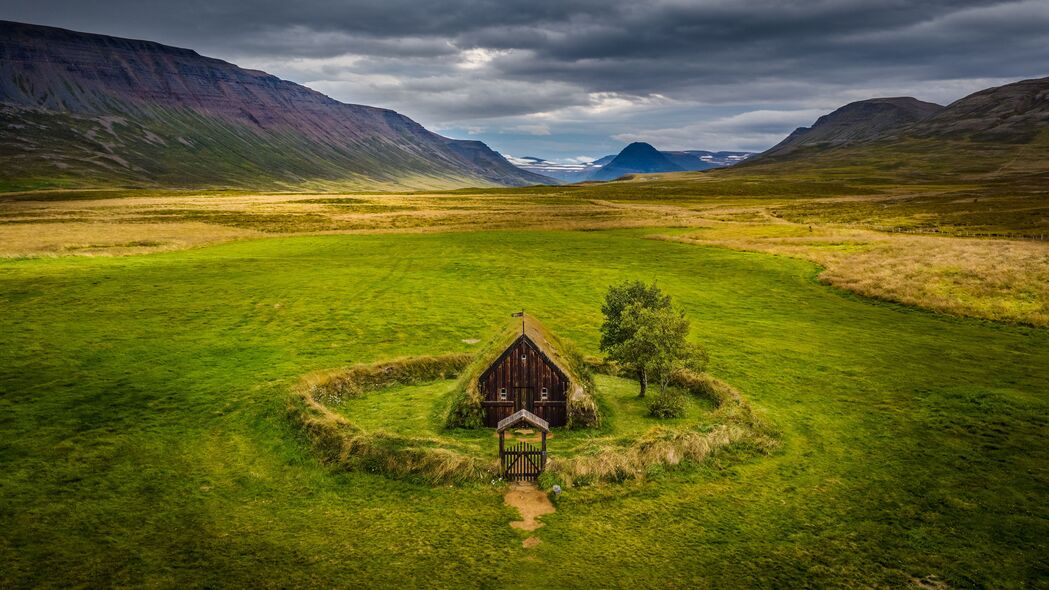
(522, 450)
(542, 464)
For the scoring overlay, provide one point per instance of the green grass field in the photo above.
(145, 441)
(422, 410)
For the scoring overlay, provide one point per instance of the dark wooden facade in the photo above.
(524, 378)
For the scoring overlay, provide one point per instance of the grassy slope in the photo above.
(142, 436)
(72, 151)
(954, 159)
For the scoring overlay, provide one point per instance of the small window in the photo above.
(544, 394)
(502, 393)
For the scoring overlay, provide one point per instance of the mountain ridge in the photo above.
(997, 133)
(856, 122)
(93, 108)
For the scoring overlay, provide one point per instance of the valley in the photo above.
(245, 324)
(926, 245)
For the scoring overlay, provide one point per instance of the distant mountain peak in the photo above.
(639, 145)
(640, 149)
(637, 158)
(688, 160)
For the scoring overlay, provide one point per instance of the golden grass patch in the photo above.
(109, 239)
(994, 279)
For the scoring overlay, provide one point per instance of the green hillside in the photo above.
(175, 148)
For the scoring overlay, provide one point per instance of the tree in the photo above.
(618, 299)
(657, 343)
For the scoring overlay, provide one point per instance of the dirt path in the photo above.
(532, 503)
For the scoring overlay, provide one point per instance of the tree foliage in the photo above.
(621, 296)
(644, 331)
(614, 334)
(657, 342)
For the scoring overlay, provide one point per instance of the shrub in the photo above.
(668, 404)
(583, 412)
(339, 442)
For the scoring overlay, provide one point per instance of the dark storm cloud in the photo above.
(538, 65)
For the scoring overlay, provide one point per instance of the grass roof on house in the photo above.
(467, 411)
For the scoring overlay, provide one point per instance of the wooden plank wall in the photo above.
(524, 371)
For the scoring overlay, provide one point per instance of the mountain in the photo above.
(1014, 113)
(695, 160)
(636, 158)
(570, 172)
(856, 122)
(1000, 133)
(79, 109)
(691, 160)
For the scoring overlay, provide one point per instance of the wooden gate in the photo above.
(522, 460)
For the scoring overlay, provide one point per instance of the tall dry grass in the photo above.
(333, 387)
(1005, 280)
(148, 223)
(77, 238)
(339, 442)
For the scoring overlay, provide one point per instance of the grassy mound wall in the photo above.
(341, 443)
(735, 425)
(333, 387)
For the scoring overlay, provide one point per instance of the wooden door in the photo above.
(523, 399)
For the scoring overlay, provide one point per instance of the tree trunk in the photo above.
(642, 377)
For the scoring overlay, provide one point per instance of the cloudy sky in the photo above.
(580, 78)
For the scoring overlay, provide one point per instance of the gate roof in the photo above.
(523, 416)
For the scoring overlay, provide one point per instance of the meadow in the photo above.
(145, 437)
(935, 246)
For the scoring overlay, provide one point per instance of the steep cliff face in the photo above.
(82, 108)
